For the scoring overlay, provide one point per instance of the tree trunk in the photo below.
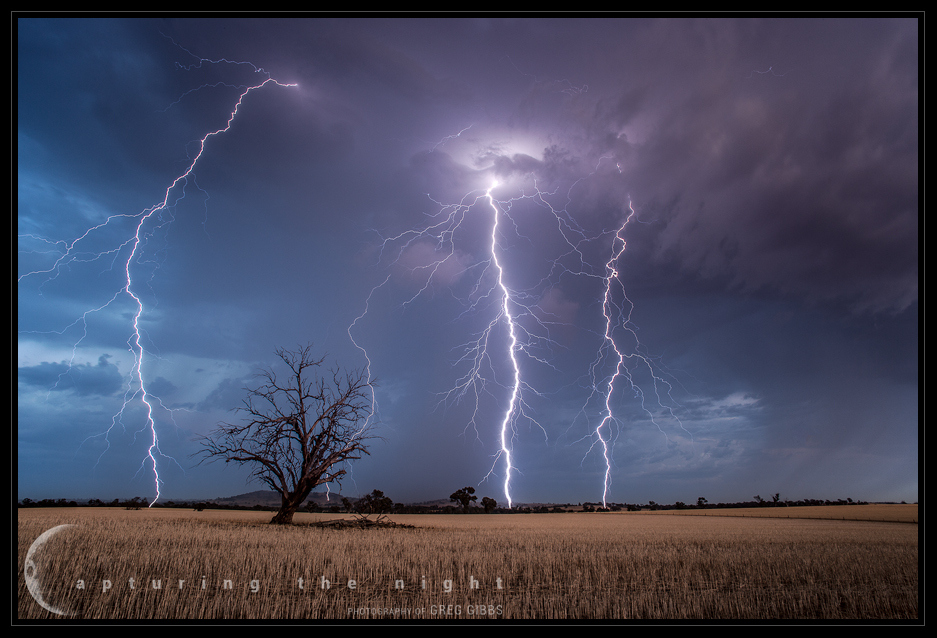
(284, 516)
(289, 505)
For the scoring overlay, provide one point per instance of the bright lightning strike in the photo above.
(612, 275)
(434, 256)
(143, 225)
(512, 349)
(617, 318)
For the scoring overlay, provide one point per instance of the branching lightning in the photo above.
(512, 349)
(609, 342)
(489, 291)
(132, 244)
(617, 318)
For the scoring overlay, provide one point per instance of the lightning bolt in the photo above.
(617, 318)
(609, 342)
(143, 226)
(489, 290)
(770, 70)
(512, 350)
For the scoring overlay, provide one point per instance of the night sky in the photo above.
(770, 329)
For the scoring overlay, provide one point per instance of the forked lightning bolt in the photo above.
(132, 244)
(611, 275)
(490, 292)
(617, 318)
(506, 429)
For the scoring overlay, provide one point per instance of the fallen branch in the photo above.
(360, 522)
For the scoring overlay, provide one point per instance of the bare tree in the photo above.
(297, 431)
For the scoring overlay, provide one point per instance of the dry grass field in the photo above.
(892, 513)
(645, 566)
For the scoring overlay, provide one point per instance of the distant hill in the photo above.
(439, 502)
(269, 498)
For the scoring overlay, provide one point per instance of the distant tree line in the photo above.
(703, 503)
(377, 503)
(135, 503)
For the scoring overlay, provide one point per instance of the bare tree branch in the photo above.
(298, 429)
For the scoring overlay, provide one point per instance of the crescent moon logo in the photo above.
(31, 572)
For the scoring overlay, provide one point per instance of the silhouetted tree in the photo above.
(299, 430)
(489, 504)
(136, 503)
(465, 496)
(375, 503)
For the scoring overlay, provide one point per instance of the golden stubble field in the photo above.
(642, 566)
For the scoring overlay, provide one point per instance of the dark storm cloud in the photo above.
(227, 395)
(804, 182)
(777, 155)
(102, 378)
